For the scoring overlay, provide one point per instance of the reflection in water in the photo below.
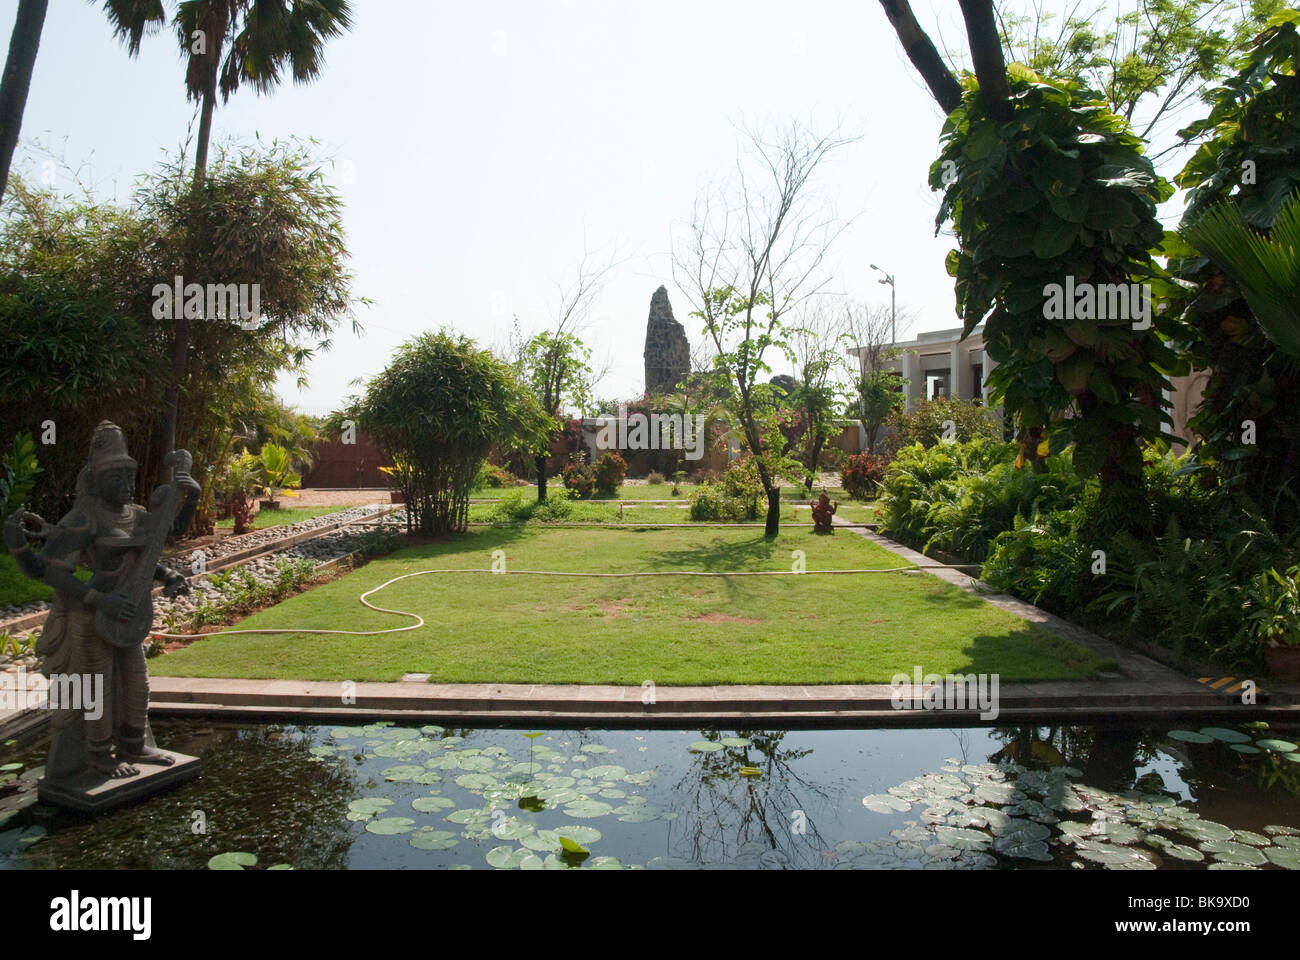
(382, 796)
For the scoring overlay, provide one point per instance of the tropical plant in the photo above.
(879, 395)
(861, 475)
(275, 469)
(259, 40)
(240, 481)
(17, 79)
(1264, 266)
(437, 410)
(18, 470)
(1274, 613)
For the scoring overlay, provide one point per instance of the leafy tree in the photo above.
(745, 262)
(260, 39)
(1046, 186)
(79, 332)
(555, 366)
(1149, 59)
(879, 395)
(436, 410)
(1249, 157)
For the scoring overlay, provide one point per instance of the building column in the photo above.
(960, 373)
(989, 364)
(915, 387)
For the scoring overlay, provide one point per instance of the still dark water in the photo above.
(393, 797)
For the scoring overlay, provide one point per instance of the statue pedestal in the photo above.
(92, 792)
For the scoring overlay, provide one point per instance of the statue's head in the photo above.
(112, 471)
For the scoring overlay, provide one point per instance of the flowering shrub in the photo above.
(578, 475)
(735, 497)
(861, 474)
(490, 475)
(609, 472)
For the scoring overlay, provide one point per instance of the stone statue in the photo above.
(95, 631)
(822, 512)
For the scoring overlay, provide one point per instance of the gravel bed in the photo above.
(264, 569)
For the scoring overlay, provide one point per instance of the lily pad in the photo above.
(607, 771)
(1285, 857)
(507, 857)
(705, 746)
(580, 832)
(232, 861)
(1245, 748)
(402, 772)
(1205, 830)
(1225, 735)
(587, 808)
(886, 803)
(963, 838)
(430, 839)
(390, 826)
(604, 863)
(1023, 849)
(736, 741)
(475, 781)
(594, 748)
(432, 804)
(1189, 736)
(1276, 746)
(1228, 851)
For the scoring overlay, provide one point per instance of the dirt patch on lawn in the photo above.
(714, 616)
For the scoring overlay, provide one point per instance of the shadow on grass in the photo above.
(718, 555)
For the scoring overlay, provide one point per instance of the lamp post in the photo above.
(893, 304)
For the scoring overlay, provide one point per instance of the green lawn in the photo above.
(671, 630)
(17, 589)
(286, 515)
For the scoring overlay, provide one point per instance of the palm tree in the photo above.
(17, 78)
(1266, 268)
(259, 40)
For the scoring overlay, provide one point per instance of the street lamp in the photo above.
(893, 304)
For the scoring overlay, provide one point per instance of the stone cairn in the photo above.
(667, 351)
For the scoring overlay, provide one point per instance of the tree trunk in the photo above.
(986, 53)
(181, 344)
(773, 525)
(540, 464)
(17, 79)
(921, 51)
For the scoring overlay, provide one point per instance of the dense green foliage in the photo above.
(437, 410)
(735, 497)
(83, 335)
(927, 421)
(1250, 158)
(1060, 195)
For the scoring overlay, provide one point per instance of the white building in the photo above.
(941, 364)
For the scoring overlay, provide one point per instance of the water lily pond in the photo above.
(381, 795)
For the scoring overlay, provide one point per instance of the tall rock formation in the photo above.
(667, 352)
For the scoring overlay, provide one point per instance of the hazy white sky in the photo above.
(475, 145)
